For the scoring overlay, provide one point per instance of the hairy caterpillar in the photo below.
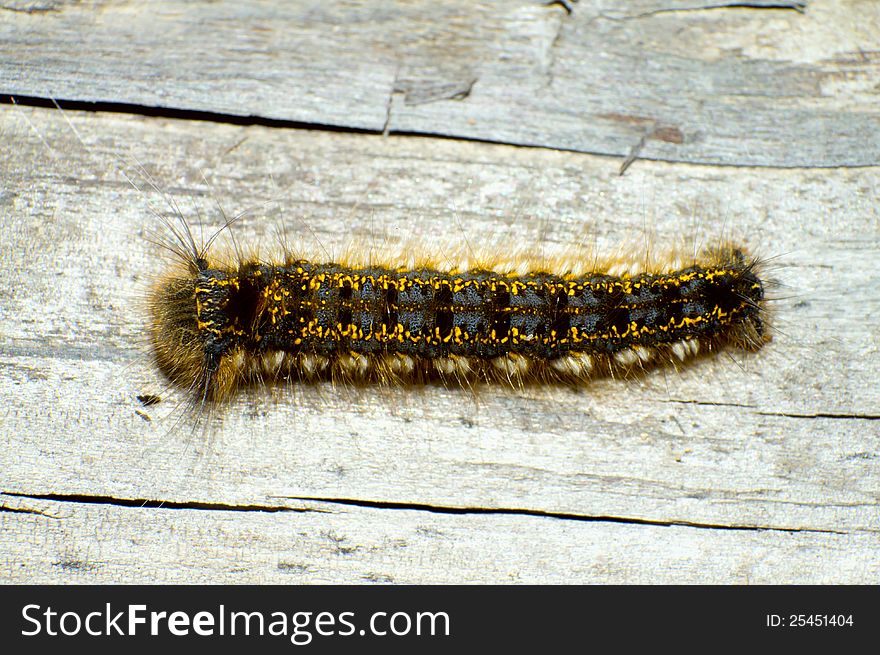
(503, 320)
(216, 325)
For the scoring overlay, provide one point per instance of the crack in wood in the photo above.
(706, 403)
(389, 109)
(174, 113)
(567, 5)
(799, 6)
(554, 43)
(567, 516)
(27, 510)
(144, 503)
(141, 503)
(829, 415)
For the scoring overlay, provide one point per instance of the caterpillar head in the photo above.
(200, 319)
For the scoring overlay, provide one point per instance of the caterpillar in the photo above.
(218, 324)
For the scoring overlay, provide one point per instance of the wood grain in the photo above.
(743, 469)
(757, 83)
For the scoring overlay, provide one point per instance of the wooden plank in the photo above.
(770, 456)
(88, 543)
(757, 83)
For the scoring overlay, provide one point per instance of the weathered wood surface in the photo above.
(760, 468)
(700, 81)
(784, 441)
